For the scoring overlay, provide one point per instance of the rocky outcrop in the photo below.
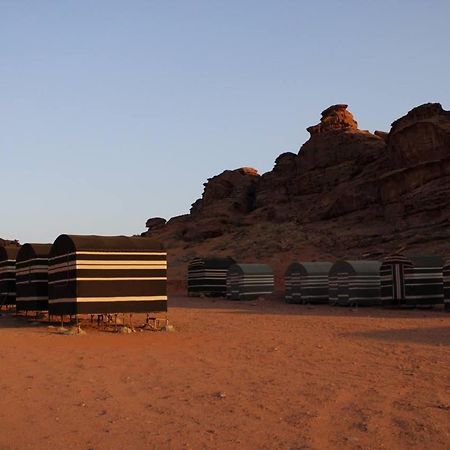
(6, 243)
(155, 223)
(227, 199)
(347, 192)
(336, 118)
(422, 135)
(415, 192)
(230, 193)
(304, 186)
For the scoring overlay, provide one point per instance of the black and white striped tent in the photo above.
(107, 274)
(355, 283)
(32, 277)
(307, 282)
(249, 281)
(412, 280)
(208, 276)
(447, 285)
(8, 257)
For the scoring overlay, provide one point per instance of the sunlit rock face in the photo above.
(422, 135)
(305, 185)
(232, 192)
(335, 118)
(415, 192)
(347, 192)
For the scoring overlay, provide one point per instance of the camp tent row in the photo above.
(223, 277)
(398, 280)
(86, 275)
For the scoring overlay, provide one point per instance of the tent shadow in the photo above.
(276, 306)
(10, 320)
(436, 336)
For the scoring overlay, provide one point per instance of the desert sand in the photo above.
(248, 375)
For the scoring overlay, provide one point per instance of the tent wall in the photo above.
(412, 281)
(355, 283)
(97, 275)
(424, 282)
(249, 281)
(446, 273)
(8, 275)
(292, 283)
(392, 274)
(307, 282)
(208, 276)
(32, 277)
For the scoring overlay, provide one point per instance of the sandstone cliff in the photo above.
(347, 193)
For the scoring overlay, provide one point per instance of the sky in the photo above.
(112, 112)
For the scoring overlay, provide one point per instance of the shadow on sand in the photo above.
(11, 320)
(277, 306)
(437, 336)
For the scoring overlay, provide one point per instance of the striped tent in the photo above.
(412, 280)
(208, 276)
(355, 283)
(447, 285)
(8, 257)
(249, 281)
(392, 273)
(307, 282)
(107, 274)
(32, 277)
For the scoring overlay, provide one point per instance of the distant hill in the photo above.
(347, 193)
(6, 243)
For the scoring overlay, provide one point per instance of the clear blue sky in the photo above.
(115, 111)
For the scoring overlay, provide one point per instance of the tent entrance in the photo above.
(297, 287)
(234, 286)
(343, 287)
(398, 283)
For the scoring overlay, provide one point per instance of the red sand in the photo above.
(252, 375)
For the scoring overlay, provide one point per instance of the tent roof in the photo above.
(310, 267)
(70, 243)
(9, 252)
(253, 269)
(33, 250)
(357, 266)
(214, 262)
(417, 260)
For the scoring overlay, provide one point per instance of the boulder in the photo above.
(7, 243)
(422, 135)
(228, 194)
(155, 223)
(335, 118)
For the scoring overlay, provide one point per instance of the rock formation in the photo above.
(232, 192)
(155, 223)
(336, 118)
(347, 193)
(422, 135)
(6, 243)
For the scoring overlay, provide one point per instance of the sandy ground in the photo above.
(251, 375)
